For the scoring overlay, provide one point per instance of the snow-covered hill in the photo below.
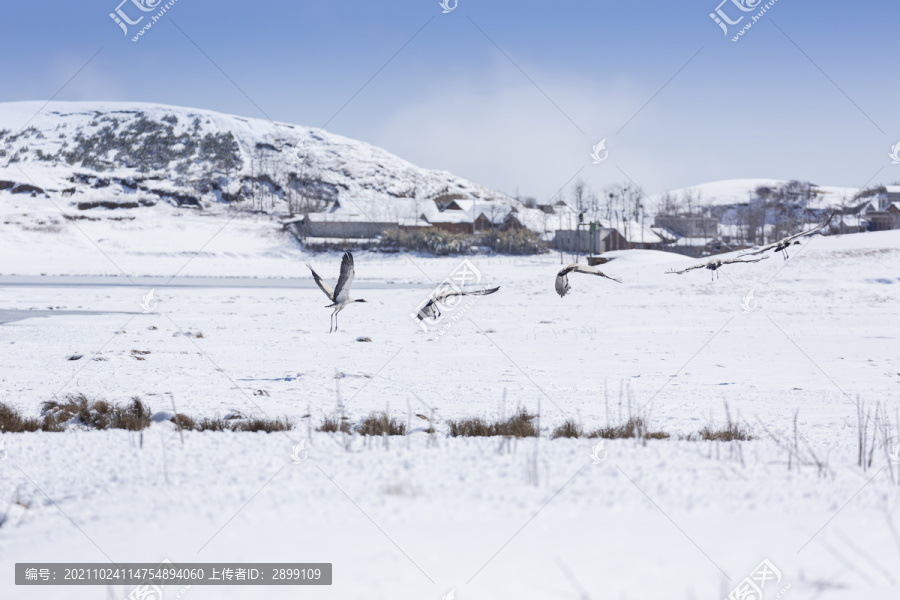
(741, 191)
(105, 154)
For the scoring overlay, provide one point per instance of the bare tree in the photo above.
(579, 195)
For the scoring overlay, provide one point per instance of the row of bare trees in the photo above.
(770, 212)
(622, 206)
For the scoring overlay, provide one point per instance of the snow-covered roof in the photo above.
(664, 235)
(412, 212)
(402, 211)
(731, 230)
(448, 216)
(494, 212)
(633, 231)
(849, 221)
(693, 242)
(534, 219)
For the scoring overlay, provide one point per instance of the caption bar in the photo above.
(168, 573)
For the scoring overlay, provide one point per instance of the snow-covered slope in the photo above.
(741, 191)
(135, 152)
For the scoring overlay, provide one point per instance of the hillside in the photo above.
(739, 191)
(111, 154)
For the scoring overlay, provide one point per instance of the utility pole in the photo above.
(578, 236)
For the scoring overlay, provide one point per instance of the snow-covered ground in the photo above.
(533, 519)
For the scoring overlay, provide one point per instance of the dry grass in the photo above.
(519, 425)
(234, 424)
(732, 431)
(134, 416)
(184, 421)
(12, 421)
(476, 427)
(207, 424)
(569, 429)
(99, 414)
(267, 425)
(635, 427)
(334, 424)
(381, 424)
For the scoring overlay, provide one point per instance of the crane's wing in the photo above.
(429, 309)
(791, 238)
(590, 271)
(762, 249)
(342, 289)
(700, 266)
(484, 292)
(815, 229)
(321, 283)
(738, 260)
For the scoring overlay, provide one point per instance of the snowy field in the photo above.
(422, 516)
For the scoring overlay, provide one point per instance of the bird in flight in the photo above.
(340, 295)
(783, 244)
(714, 264)
(562, 278)
(432, 307)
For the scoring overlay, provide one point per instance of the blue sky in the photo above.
(809, 92)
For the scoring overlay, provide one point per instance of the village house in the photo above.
(685, 226)
(638, 235)
(589, 241)
(357, 218)
(884, 212)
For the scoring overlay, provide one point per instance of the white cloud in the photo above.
(503, 132)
